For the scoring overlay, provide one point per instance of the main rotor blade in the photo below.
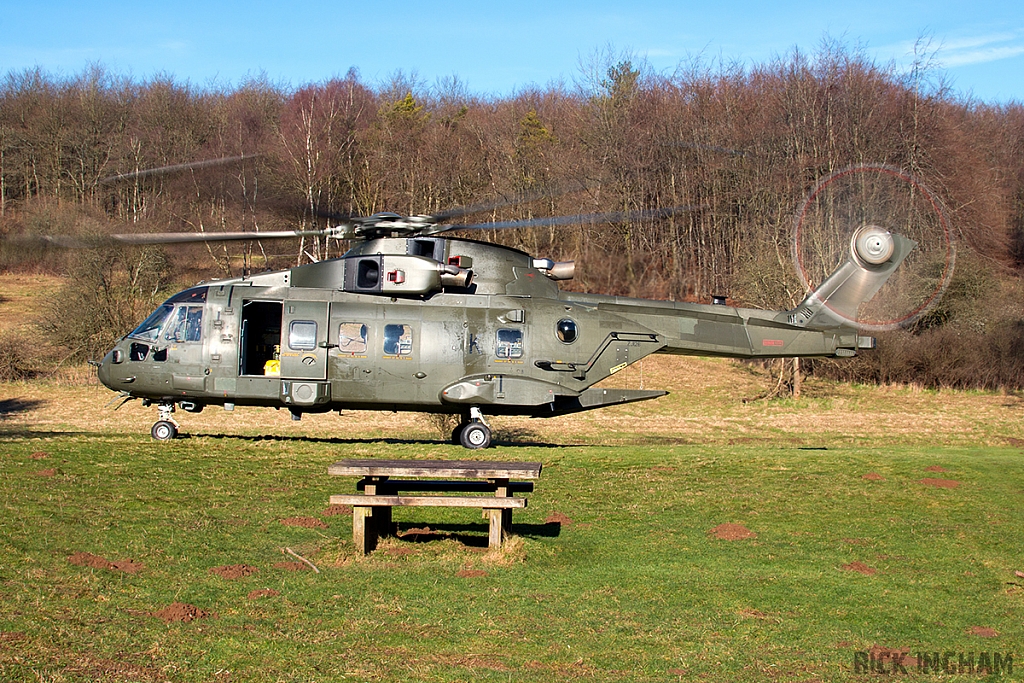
(458, 211)
(610, 217)
(174, 168)
(187, 237)
(526, 198)
(141, 239)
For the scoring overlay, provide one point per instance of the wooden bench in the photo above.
(371, 510)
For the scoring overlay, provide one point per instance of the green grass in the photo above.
(632, 589)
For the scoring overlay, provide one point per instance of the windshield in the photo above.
(150, 327)
(191, 317)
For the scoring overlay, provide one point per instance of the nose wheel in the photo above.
(165, 428)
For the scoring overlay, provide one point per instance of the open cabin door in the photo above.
(304, 340)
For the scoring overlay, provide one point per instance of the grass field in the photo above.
(122, 559)
(701, 536)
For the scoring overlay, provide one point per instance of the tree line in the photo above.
(742, 147)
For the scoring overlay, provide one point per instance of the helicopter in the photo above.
(411, 319)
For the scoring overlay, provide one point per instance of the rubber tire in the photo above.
(475, 435)
(163, 430)
(457, 434)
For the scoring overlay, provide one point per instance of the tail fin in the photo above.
(875, 254)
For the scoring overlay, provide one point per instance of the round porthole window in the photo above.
(566, 330)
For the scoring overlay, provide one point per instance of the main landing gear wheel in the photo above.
(475, 435)
(164, 430)
(457, 434)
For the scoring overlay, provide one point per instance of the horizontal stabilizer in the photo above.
(593, 398)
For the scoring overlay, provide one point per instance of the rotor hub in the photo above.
(873, 245)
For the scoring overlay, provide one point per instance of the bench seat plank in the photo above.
(485, 502)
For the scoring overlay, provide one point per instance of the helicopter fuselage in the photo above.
(432, 324)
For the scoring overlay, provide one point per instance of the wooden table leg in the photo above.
(364, 535)
(496, 534)
(373, 522)
(501, 490)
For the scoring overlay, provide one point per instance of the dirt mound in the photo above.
(291, 566)
(89, 560)
(558, 518)
(234, 571)
(263, 593)
(96, 562)
(128, 566)
(860, 567)
(50, 472)
(940, 483)
(470, 573)
(180, 611)
(39, 455)
(982, 632)
(935, 468)
(305, 522)
(333, 510)
(873, 476)
(732, 532)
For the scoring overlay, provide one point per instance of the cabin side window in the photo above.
(352, 338)
(302, 335)
(509, 345)
(566, 330)
(397, 340)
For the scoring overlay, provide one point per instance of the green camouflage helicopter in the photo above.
(412, 320)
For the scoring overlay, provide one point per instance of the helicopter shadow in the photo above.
(17, 406)
(338, 441)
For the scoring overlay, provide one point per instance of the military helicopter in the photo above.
(411, 319)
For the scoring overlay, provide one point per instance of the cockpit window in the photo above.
(186, 324)
(151, 326)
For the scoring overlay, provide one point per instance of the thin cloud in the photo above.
(968, 50)
(959, 51)
(980, 56)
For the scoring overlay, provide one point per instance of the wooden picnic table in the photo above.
(384, 481)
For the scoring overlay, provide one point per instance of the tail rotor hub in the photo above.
(872, 245)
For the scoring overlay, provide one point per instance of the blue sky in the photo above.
(498, 48)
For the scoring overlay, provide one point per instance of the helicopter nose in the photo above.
(103, 371)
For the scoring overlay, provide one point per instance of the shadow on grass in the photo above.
(471, 535)
(339, 441)
(17, 406)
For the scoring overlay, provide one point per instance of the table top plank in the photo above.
(451, 469)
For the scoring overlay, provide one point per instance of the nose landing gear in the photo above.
(165, 428)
